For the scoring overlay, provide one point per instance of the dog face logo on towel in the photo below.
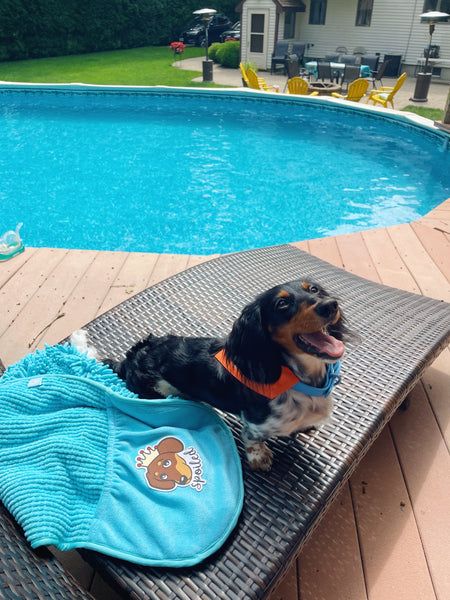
(170, 465)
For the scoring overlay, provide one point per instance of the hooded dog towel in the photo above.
(84, 463)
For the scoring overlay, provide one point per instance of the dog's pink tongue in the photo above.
(325, 343)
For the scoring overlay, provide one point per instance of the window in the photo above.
(364, 13)
(257, 33)
(317, 12)
(289, 25)
(440, 5)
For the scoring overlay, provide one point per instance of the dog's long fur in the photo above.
(295, 325)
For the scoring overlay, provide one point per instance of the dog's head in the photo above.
(297, 323)
(168, 469)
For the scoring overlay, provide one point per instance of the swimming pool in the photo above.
(204, 171)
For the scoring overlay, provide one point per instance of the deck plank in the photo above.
(393, 559)
(437, 244)
(429, 278)
(389, 264)
(425, 463)
(436, 380)
(166, 266)
(356, 257)
(330, 564)
(18, 290)
(83, 302)
(439, 218)
(132, 278)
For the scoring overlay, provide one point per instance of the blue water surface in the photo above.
(199, 173)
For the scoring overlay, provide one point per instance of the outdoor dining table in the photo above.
(335, 66)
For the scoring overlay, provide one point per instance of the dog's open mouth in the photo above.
(320, 343)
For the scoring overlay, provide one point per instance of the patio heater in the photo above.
(423, 79)
(206, 14)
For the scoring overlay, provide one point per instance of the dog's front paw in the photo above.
(259, 456)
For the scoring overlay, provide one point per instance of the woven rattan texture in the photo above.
(28, 575)
(399, 335)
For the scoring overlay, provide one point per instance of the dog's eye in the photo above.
(313, 289)
(282, 303)
(166, 464)
(164, 476)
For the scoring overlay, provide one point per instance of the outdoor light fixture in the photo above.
(423, 79)
(206, 14)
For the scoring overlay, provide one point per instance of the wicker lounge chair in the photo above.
(400, 335)
(30, 574)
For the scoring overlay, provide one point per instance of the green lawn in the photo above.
(139, 66)
(435, 114)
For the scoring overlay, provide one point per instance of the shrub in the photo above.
(212, 51)
(228, 55)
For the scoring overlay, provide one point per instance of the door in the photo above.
(257, 38)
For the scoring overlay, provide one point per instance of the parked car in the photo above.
(234, 32)
(194, 33)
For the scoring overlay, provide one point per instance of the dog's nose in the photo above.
(183, 480)
(327, 308)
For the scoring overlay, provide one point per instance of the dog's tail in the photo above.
(80, 340)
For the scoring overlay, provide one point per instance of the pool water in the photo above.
(198, 173)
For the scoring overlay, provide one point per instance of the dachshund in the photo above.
(275, 369)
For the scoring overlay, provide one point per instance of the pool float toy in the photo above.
(11, 244)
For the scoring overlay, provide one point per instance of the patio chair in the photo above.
(400, 335)
(347, 59)
(324, 71)
(372, 62)
(351, 72)
(377, 75)
(359, 52)
(259, 83)
(298, 48)
(341, 50)
(385, 95)
(332, 57)
(299, 86)
(356, 90)
(245, 80)
(279, 56)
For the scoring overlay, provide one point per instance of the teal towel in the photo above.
(85, 463)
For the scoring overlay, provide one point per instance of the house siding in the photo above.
(395, 29)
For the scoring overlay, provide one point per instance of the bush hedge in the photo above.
(41, 28)
(228, 54)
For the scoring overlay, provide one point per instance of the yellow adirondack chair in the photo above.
(385, 95)
(259, 83)
(356, 90)
(299, 86)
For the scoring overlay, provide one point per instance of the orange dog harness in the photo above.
(287, 380)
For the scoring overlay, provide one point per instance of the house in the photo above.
(379, 26)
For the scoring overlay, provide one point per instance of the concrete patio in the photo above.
(437, 94)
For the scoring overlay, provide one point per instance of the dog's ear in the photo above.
(170, 444)
(250, 348)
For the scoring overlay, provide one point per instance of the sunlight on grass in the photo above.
(139, 66)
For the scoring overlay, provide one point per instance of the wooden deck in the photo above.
(387, 536)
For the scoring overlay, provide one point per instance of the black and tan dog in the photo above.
(275, 369)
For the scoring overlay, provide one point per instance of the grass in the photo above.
(435, 114)
(150, 65)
